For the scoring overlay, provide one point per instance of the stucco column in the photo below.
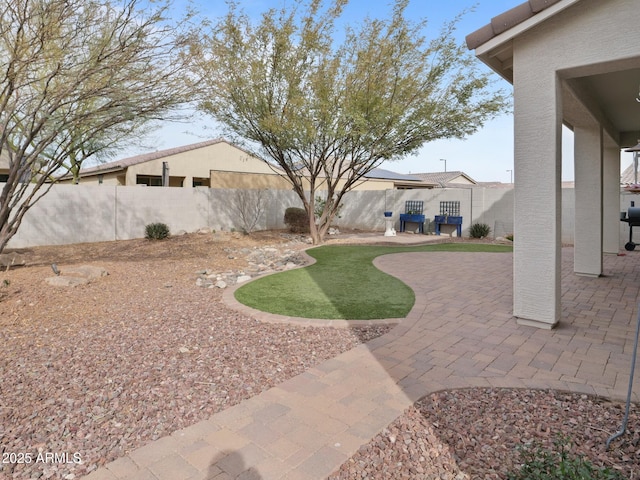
(611, 197)
(587, 257)
(537, 200)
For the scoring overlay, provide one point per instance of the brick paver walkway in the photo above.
(460, 333)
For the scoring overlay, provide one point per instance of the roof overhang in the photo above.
(605, 90)
(414, 185)
(493, 43)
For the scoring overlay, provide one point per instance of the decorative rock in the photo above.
(261, 261)
(203, 282)
(80, 275)
(89, 272)
(65, 281)
(11, 259)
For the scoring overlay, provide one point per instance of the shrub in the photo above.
(542, 464)
(156, 231)
(320, 203)
(249, 206)
(297, 220)
(509, 236)
(479, 230)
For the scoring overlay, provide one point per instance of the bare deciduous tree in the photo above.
(327, 111)
(77, 78)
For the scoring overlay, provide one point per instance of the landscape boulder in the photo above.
(78, 275)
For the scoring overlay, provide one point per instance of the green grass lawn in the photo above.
(343, 284)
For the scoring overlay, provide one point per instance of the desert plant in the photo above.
(156, 231)
(559, 464)
(250, 206)
(297, 220)
(479, 230)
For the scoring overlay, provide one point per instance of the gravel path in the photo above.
(92, 372)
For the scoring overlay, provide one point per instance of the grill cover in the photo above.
(634, 214)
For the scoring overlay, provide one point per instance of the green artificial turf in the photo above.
(343, 284)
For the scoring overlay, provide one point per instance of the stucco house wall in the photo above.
(213, 163)
(4, 166)
(184, 167)
(553, 52)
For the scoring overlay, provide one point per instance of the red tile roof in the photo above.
(507, 20)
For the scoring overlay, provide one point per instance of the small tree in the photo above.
(77, 78)
(327, 113)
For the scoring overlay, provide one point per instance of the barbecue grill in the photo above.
(633, 219)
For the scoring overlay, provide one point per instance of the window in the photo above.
(200, 182)
(149, 180)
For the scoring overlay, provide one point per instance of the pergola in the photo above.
(572, 62)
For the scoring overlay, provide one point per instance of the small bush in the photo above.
(542, 464)
(509, 236)
(320, 204)
(156, 231)
(297, 220)
(479, 230)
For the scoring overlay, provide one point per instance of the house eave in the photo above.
(495, 41)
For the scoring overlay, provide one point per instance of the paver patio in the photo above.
(460, 333)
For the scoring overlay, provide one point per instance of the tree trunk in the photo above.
(314, 232)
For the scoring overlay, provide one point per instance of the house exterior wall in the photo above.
(221, 165)
(220, 179)
(588, 174)
(537, 161)
(587, 38)
(199, 162)
(4, 164)
(611, 197)
(112, 178)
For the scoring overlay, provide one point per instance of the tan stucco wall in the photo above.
(198, 163)
(112, 179)
(225, 165)
(272, 181)
(4, 164)
(245, 180)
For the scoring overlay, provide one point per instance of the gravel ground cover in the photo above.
(91, 372)
(88, 373)
(477, 433)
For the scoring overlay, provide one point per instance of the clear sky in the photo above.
(485, 156)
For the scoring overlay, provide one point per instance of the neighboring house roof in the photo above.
(145, 157)
(628, 175)
(493, 185)
(444, 179)
(383, 174)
